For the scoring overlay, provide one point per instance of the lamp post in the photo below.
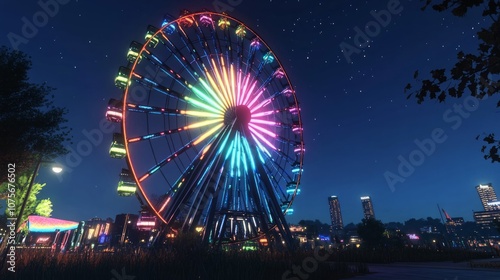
(55, 169)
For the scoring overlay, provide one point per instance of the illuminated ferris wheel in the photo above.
(211, 129)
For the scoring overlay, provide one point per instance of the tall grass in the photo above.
(171, 265)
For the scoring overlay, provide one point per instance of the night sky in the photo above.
(358, 122)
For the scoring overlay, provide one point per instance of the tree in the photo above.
(473, 74)
(41, 207)
(371, 231)
(30, 123)
(315, 227)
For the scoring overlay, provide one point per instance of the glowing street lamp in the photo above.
(56, 169)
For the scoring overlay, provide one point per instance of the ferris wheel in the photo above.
(211, 129)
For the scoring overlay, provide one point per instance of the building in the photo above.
(368, 212)
(494, 205)
(485, 219)
(96, 233)
(45, 232)
(125, 230)
(335, 214)
(487, 195)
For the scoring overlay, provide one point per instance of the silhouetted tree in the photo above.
(414, 226)
(31, 125)
(315, 227)
(474, 74)
(371, 231)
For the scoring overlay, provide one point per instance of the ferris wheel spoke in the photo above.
(208, 188)
(165, 133)
(137, 108)
(157, 87)
(275, 167)
(264, 102)
(279, 152)
(260, 137)
(166, 160)
(169, 112)
(181, 180)
(179, 152)
(273, 203)
(246, 88)
(207, 21)
(196, 172)
(212, 90)
(216, 84)
(167, 91)
(216, 81)
(173, 49)
(189, 45)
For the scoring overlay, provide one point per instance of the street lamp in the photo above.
(55, 169)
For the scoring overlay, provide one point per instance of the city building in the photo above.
(125, 230)
(368, 212)
(494, 205)
(96, 233)
(485, 219)
(487, 195)
(335, 214)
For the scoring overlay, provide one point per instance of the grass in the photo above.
(172, 265)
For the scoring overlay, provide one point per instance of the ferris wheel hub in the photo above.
(239, 115)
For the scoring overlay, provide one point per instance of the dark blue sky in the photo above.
(358, 123)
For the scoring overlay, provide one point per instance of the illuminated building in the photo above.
(97, 232)
(485, 219)
(494, 205)
(45, 232)
(487, 195)
(335, 214)
(125, 230)
(368, 212)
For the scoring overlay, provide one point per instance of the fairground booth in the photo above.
(49, 233)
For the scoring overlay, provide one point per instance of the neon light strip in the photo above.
(199, 114)
(203, 123)
(200, 104)
(262, 138)
(254, 121)
(207, 134)
(263, 130)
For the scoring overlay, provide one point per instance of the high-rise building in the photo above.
(366, 202)
(486, 219)
(335, 214)
(487, 195)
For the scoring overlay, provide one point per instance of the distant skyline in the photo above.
(359, 125)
